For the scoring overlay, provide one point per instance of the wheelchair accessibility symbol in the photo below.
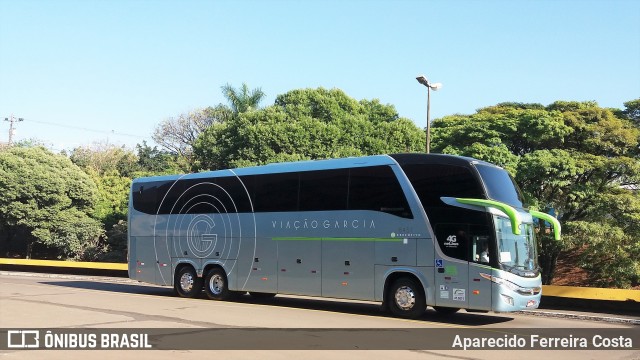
(439, 263)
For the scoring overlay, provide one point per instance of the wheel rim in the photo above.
(186, 282)
(216, 284)
(405, 298)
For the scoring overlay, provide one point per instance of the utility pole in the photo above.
(12, 119)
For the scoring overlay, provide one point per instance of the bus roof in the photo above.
(310, 165)
(443, 159)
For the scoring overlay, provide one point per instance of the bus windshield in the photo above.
(516, 253)
(500, 185)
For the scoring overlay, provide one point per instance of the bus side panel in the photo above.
(131, 255)
(164, 274)
(346, 269)
(299, 264)
(400, 251)
(424, 251)
(480, 297)
(257, 269)
(145, 259)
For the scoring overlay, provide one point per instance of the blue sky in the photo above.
(121, 67)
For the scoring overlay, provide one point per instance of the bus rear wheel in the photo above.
(216, 285)
(406, 298)
(187, 283)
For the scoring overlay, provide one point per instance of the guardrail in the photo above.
(562, 295)
(65, 264)
(591, 293)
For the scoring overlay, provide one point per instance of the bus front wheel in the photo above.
(187, 283)
(216, 285)
(406, 298)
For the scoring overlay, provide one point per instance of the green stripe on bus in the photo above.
(294, 238)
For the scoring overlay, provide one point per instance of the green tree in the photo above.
(103, 157)
(307, 124)
(117, 243)
(632, 111)
(113, 197)
(155, 161)
(46, 200)
(570, 158)
(242, 100)
(177, 135)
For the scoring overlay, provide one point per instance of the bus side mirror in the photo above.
(513, 215)
(551, 220)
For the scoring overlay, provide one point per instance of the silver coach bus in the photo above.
(408, 230)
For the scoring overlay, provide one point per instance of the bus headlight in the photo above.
(507, 299)
(514, 287)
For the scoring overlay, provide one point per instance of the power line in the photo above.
(112, 132)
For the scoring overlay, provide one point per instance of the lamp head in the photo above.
(423, 80)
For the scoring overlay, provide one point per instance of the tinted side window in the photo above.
(324, 190)
(276, 192)
(377, 188)
(205, 195)
(144, 196)
(168, 195)
(431, 182)
(233, 194)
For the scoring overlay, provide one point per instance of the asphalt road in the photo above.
(66, 301)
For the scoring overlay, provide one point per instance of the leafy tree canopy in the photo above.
(102, 158)
(46, 199)
(632, 111)
(307, 124)
(156, 161)
(242, 100)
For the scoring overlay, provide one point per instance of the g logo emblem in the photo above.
(201, 236)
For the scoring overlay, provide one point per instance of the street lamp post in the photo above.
(430, 86)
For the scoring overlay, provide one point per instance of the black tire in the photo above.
(187, 283)
(445, 310)
(261, 295)
(216, 285)
(406, 298)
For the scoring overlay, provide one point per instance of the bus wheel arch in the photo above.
(404, 295)
(186, 282)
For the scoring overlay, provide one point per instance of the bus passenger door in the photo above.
(479, 287)
(452, 268)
